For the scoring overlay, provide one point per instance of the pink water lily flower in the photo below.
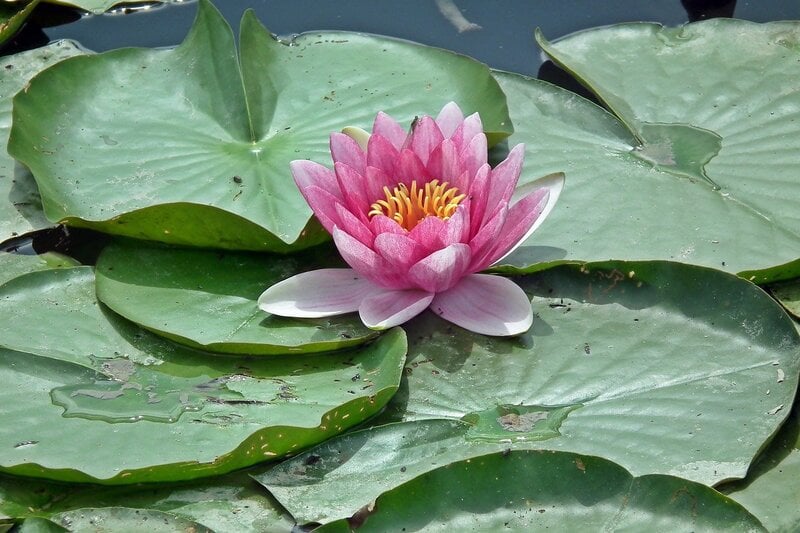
(417, 216)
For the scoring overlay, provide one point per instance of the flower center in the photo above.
(409, 206)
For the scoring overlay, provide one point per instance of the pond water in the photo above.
(502, 34)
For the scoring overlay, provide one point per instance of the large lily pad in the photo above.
(88, 378)
(185, 146)
(661, 367)
(539, 490)
(701, 166)
(788, 294)
(20, 205)
(98, 7)
(230, 503)
(167, 290)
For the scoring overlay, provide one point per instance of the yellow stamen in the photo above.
(409, 207)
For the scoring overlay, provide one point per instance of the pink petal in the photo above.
(456, 228)
(471, 127)
(345, 150)
(479, 195)
(449, 119)
(353, 225)
(324, 205)
(483, 242)
(392, 308)
(381, 154)
(474, 155)
(504, 177)
(388, 128)
(365, 261)
(442, 269)
(444, 163)
(429, 233)
(519, 218)
(308, 173)
(383, 224)
(399, 249)
(486, 304)
(425, 137)
(353, 185)
(409, 167)
(326, 292)
(377, 179)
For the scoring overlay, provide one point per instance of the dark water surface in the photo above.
(504, 40)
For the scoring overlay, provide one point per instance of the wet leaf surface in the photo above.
(187, 147)
(538, 490)
(86, 377)
(700, 167)
(166, 290)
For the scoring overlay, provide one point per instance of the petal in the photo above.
(308, 173)
(409, 167)
(425, 136)
(345, 150)
(429, 233)
(442, 269)
(504, 177)
(530, 214)
(486, 304)
(471, 127)
(360, 136)
(324, 205)
(366, 261)
(326, 292)
(444, 163)
(391, 308)
(483, 242)
(456, 228)
(449, 119)
(376, 180)
(381, 154)
(473, 156)
(353, 185)
(478, 196)
(388, 128)
(354, 226)
(399, 249)
(383, 224)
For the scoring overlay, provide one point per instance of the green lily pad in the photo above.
(788, 294)
(13, 265)
(118, 519)
(83, 376)
(662, 367)
(700, 167)
(20, 205)
(166, 290)
(771, 490)
(230, 503)
(185, 146)
(540, 490)
(12, 16)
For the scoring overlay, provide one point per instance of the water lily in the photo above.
(417, 216)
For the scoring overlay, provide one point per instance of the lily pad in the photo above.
(230, 503)
(700, 167)
(166, 290)
(12, 16)
(662, 367)
(539, 490)
(13, 265)
(99, 7)
(188, 147)
(771, 490)
(83, 376)
(20, 205)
